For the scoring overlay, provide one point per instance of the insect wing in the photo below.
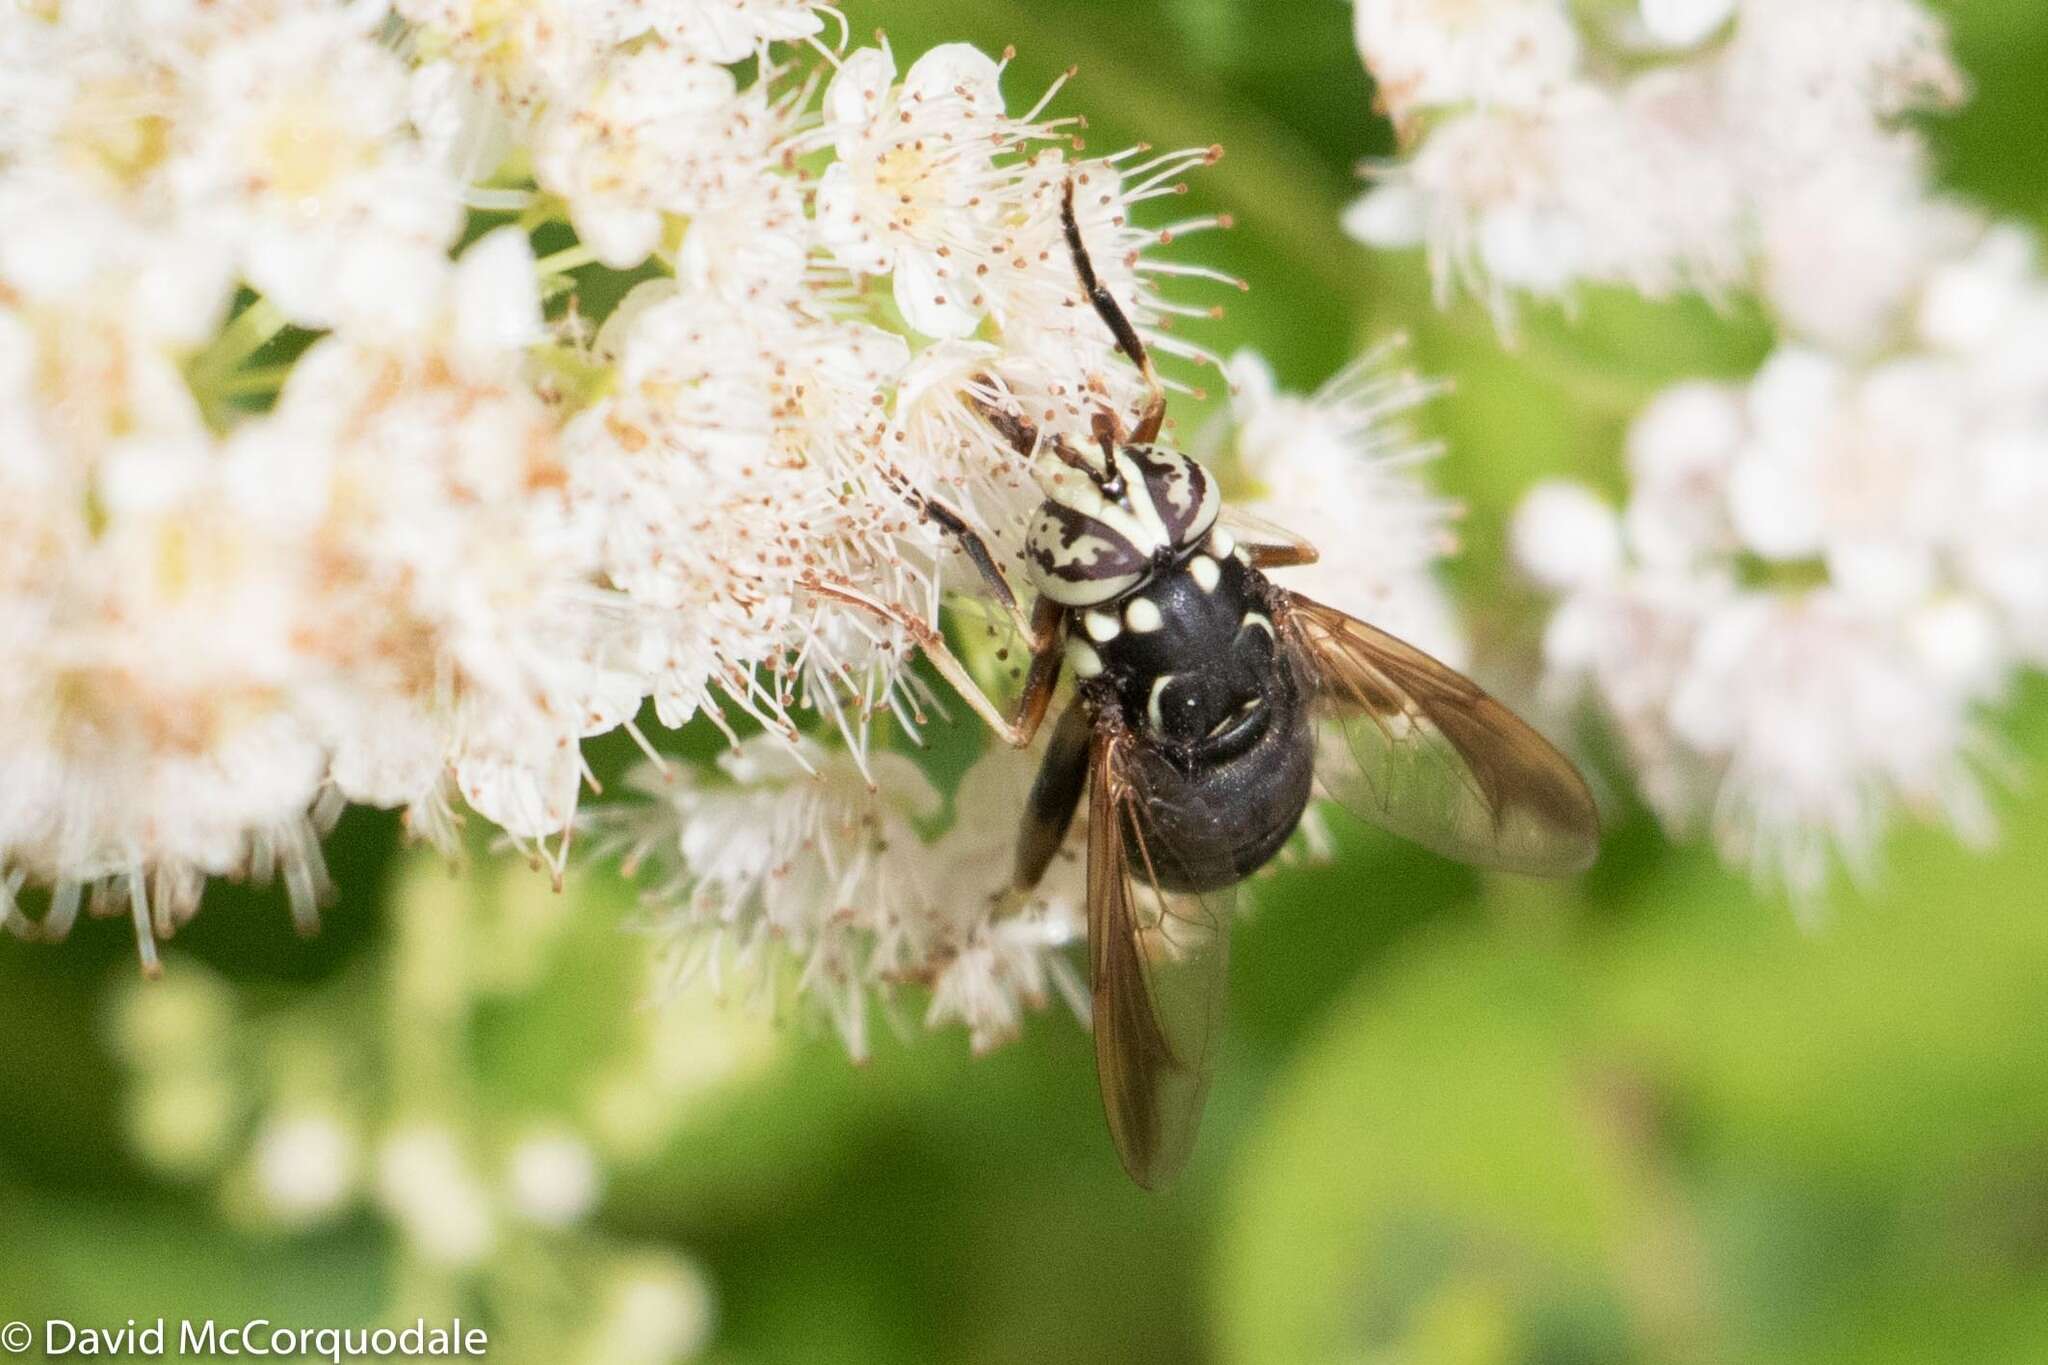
(1435, 759)
(1158, 962)
(1248, 528)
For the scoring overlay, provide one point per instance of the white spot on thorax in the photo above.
(1206, 573)
(1082, 658)
(1141, 614)
(1101, 626)
(1152, 702)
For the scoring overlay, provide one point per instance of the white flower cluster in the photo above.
(315, 487)
(1817, 577)
(223, 624)
(1820, 575)
(1339, 468)
(1674, 144)
(798, 857)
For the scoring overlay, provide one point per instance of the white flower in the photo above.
(251, 574)
(657, 1309)
(1626, 642)
(1822, 721)
(1792, 645)
(525, 54)
(1427, 53)
(1972, 300)
(458, 628)
(917, 187)
(943, 447)
(1564, 537)
(428, 1188)
(1389, 216)
(1060, 361)
(301, 153)
(1697, 166)
(1681, 449)
(149, 736)
(93, 126)
(720, 475)
(753, 247)
(2004, 556)
(1682, 23)
(1849, 59)
(657, 132)
(1002, 949)
(304, 1165)
(732, 30)
(796, 855)
(1339, 469)
(1589, 185)
(1847, 247)
(552, 1178)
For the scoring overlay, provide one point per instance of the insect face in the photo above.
(1112, 520)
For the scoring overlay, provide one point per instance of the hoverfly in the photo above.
(1202, 687)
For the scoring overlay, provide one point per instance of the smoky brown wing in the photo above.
(1433, 758)
(1158, 964)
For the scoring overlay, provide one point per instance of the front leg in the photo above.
(1037, 631)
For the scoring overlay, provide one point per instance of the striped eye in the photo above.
(1183, 494)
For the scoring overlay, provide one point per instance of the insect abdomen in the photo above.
(1219, 823)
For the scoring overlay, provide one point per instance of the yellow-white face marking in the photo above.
(1101, 626)
(1090, 546)
(1141, 616)
(1206, 572)
(1082, 658)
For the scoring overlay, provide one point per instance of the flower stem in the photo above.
(252, 328)
(568, 258)
(250, 383)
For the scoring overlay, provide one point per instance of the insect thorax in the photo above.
(1221, 756)
(1098, 538)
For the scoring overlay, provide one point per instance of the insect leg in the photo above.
(1017, 731)
(1055, 795)
(1153, 414)
(1013, 427)
(1037, 634)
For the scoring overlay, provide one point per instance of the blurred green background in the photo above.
(1644, 1118)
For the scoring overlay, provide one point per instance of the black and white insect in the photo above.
(1202, 691)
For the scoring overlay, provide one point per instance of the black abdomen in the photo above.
(1209, 825)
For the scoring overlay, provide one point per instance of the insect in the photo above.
(1202, 690)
